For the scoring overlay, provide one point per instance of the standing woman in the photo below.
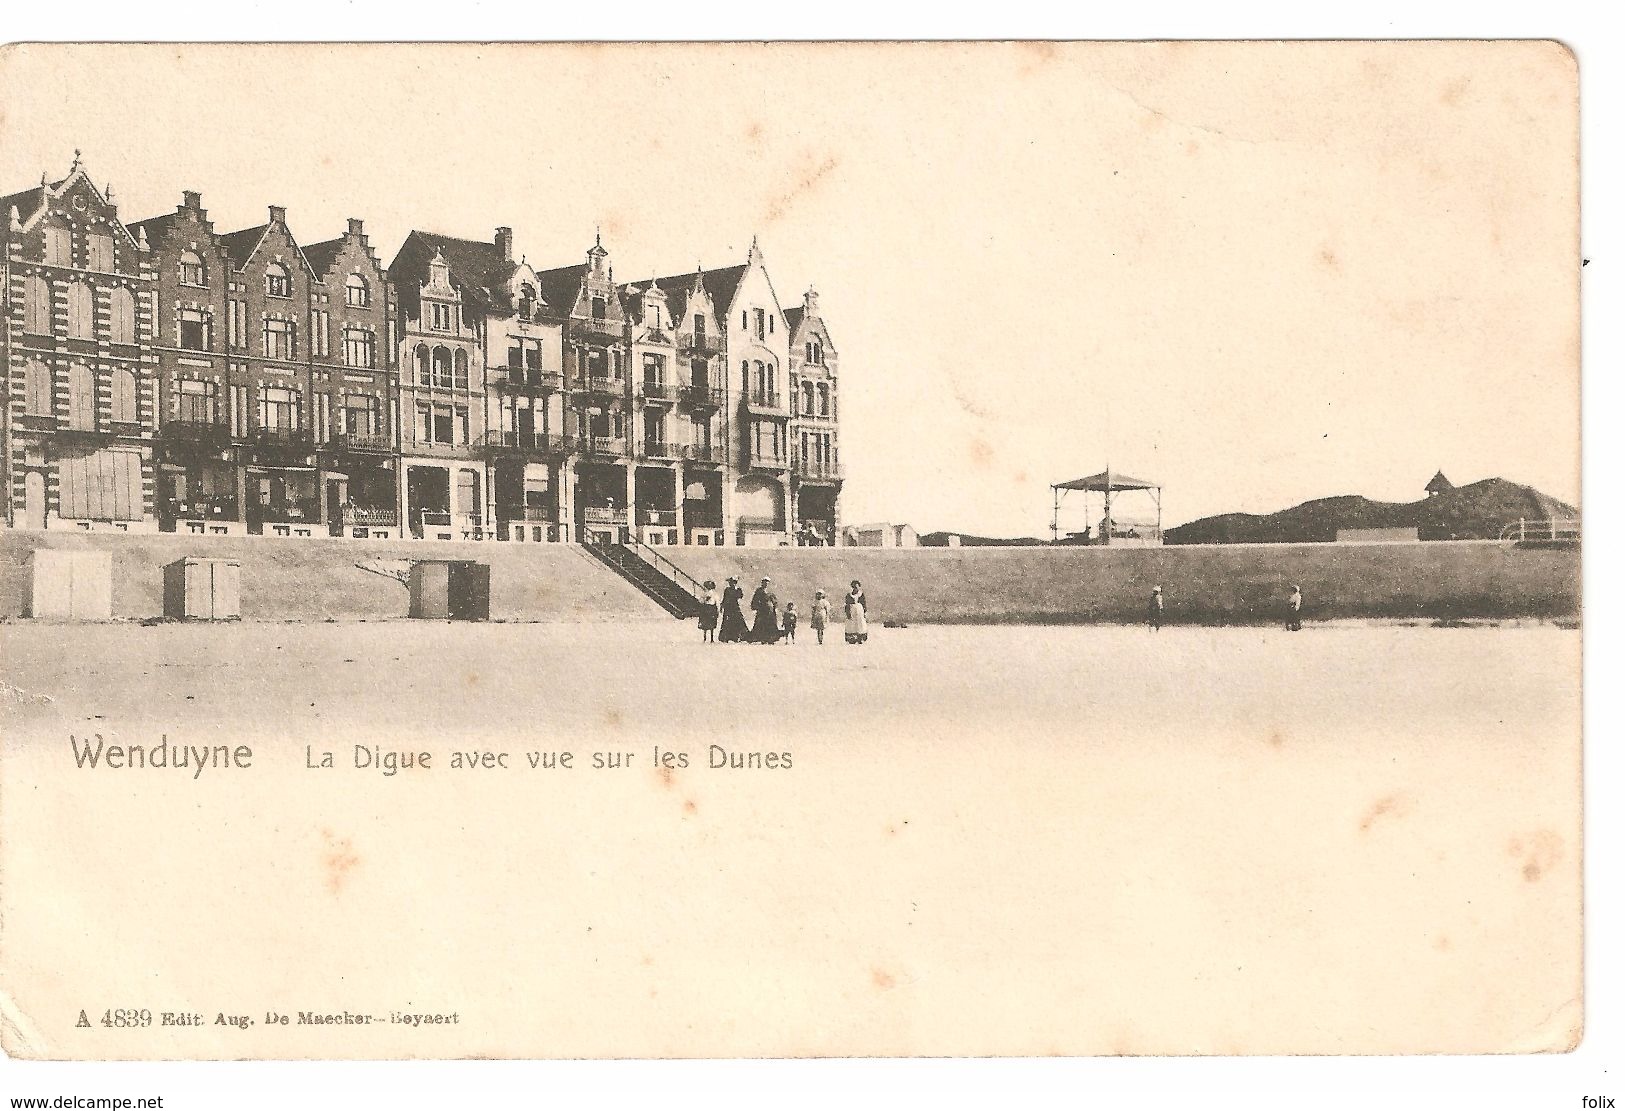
(708, 613)
(733, 614)
(765, 604)
(1294, 610)
(857, 614)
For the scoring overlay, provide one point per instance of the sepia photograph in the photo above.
(790, 550)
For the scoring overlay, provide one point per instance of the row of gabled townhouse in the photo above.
(166, 376)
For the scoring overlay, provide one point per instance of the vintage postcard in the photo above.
(781, 550)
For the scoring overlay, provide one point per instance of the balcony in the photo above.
(528, 514)
(816, 470)
(531, 444)
(700, 343)
(769, 463)
(599, 385)
(371, 442)
(200, 507)
(602, 329)
(705, 453)
(281, 437)
(654, 449)
(703, 397)
(524, 378)
(602, 515)
(291, 511)
(761, 399)
(657, 391)
(208, 434)
(661, 518)
(608, 446)
(365, 516)
(36, 422)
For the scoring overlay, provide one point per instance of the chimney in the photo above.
(192, 201)
(504, 243)
(809, 303)
(355, 227)
(279, 215)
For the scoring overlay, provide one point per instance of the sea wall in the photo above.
(1209, 584)
(317, 579)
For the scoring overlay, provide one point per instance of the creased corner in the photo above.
(18, 1037)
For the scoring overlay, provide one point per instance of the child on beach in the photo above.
(820, 615)
(708, 613)
(790, 619)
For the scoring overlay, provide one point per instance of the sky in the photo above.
(1257, 273)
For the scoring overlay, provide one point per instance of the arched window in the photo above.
(37, 388)
(58, 245)
(193, 272)
(278, 282)
(442, 368)
(99, 251)
(357, 294)
(420, 355)
(807, 398)
(81, 310)
(37, 306)
(823, 399)
(461, 381)
(124, 395)
(122, 312)
(744, 376)
(81, 397)
(527, 300)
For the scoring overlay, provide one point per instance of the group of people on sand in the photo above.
(722, 617)
(1294, 609)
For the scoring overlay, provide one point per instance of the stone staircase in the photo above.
(661, 581)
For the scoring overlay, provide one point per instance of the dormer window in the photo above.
(192, 270)
(278, 282)
(357, 294)
(599, 307)
(527, 300)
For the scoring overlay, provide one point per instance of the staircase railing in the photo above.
(666, 567)
(673, 590)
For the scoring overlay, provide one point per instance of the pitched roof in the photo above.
(240, 244)
(1438, 482)
(155, 226)
(321, 255)
(720, 284)
(560, 286)
(792, 318)
(479, 267)
(26, 202)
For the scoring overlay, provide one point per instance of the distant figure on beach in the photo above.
(857, 614)
(708, 613)
(820, 615)
(790, 620)
(1153, 614)
(1294, 609)
(765, 605)
(733, 628)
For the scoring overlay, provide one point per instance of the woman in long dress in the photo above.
(765, 603)
(857, 615)
(733, 628)
(708, 613)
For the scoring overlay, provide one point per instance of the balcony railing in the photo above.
(528, 443)
(602, 445)
(362, 441)
(701, 343)
(703, 397)
(201, 507)
(762, 399)
(525, 378)
(705, 453)
(769, 462)
(602, 515)
(291, 437)
(598, 384)
(195, 431)
(663, 518)
(366, 515)
(528, 514)
(813, 468)
(288, 511)
(657, 391)
(600, 327)
(654, 449)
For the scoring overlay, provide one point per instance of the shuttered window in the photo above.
(37, 388)
(124, 395)
(122, 306)
(81, 398)
(81, 311)
(101, 486)
(37, 306)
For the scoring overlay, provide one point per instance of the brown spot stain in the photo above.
(1443, 944)
(981, 452)
(1022, 476)
(472, 679)
(1276, 739)
(1453, 92)
(1328, 258)
(807, 179)
(1539, 851)
(1394, 806)
(690, 807)
(612, 718)
(1192, 148)
(666, 777)
(882, 979)
(339, 858)
(1035, 56)
(753, 131)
